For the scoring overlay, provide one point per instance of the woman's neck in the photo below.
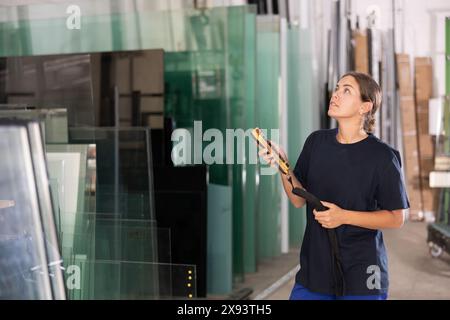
(350, 134)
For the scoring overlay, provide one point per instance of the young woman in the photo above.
(359, 178)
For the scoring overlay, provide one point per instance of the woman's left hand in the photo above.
(332, 218)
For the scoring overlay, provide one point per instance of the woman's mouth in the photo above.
(332, 104)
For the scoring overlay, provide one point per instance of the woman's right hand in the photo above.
(270, 156)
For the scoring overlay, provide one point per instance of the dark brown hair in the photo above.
(370, 92)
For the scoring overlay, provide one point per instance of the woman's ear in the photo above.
(366, 107)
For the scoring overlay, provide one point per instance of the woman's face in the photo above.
(346, 100)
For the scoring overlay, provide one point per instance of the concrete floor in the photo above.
(413, 273)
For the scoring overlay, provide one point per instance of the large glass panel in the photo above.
(67, 164)
(51, 82)
(295, 140)
(105, 25)
(214, 82)
(53, 124)
(219, 250)
(124, 169)
(303, 105)
(267, 87)
(29, 256)
(127, 280)
(48, 213)
(107, 238)
(109, 172)
(250, 170)
(117, 239)
(241, 44)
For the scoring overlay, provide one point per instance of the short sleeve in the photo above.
(302, 165)
(391, 192)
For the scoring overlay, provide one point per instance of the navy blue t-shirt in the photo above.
(362, 176)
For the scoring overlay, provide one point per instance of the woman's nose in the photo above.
(335, 96)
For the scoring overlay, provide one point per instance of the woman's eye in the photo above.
(346, 91)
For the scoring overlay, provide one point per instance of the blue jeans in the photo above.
(301, 293)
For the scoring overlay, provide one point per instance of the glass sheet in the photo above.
(109, 240)
(27, 232)
(116, 239)
(267, 87)
(124, 168)
(250, 170)
(214, 82)
(67, 164)
(126, 280)
(105, 25)
(51, 82)
(303, 108)
(47, 213)
(219, 250)
(104, 234)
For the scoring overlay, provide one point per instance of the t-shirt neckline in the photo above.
(335, 140)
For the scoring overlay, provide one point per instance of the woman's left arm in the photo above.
(382, 219)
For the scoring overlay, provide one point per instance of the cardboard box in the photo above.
(422, 124)
(408, 115)
(423, 78)
(412, 168)
(413, 189)
(361, 51)
(413, 182)
(404, 75)
(426, 146)
(426, 166)
(426, 183)
(410, 136)
(411, 157)
(410, 144)
(422, 114)
(422, 107)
